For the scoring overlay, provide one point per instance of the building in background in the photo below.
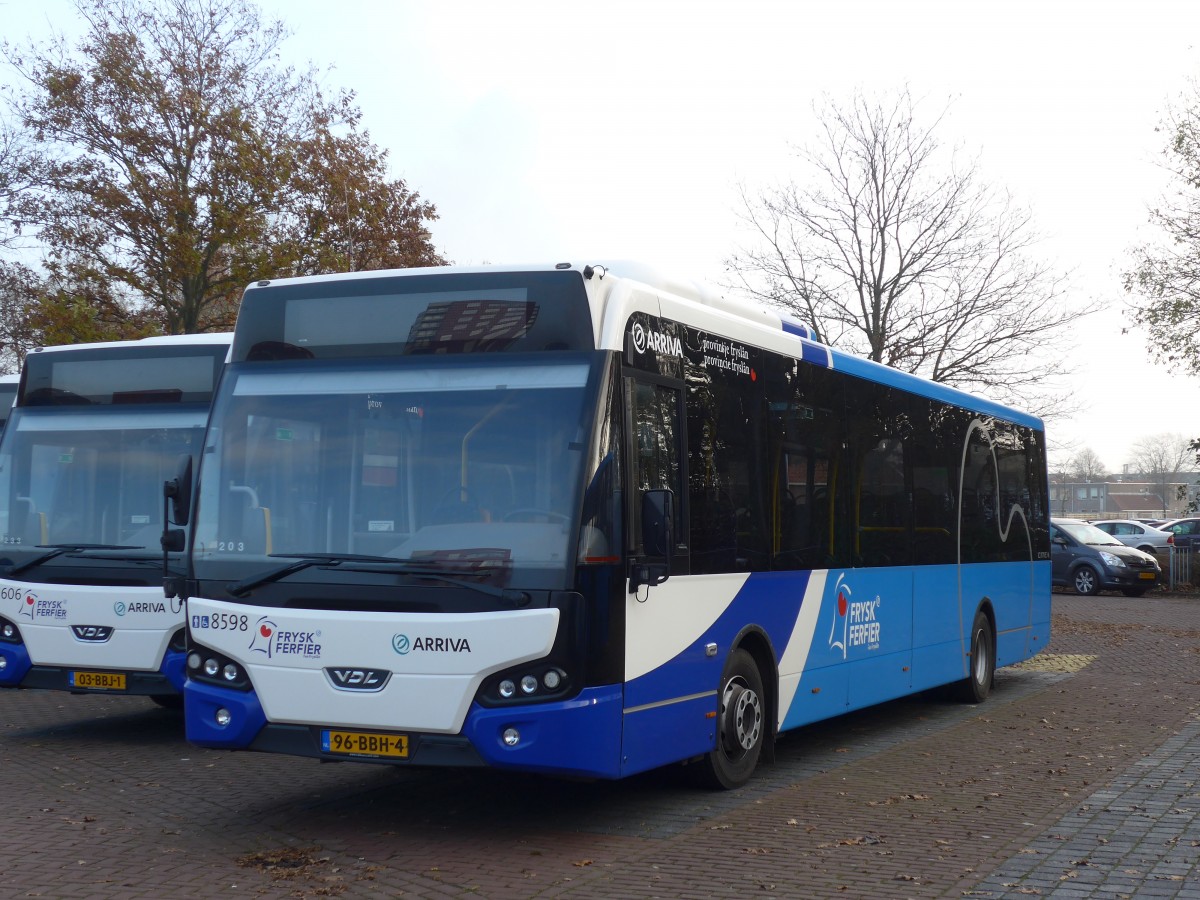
(1121, 499)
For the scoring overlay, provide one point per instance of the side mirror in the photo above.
(177, 495)
(179, 491)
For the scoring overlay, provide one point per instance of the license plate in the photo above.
(1148, 576)
(98, 681)
(362, 743)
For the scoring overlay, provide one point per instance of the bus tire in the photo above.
(981, 671)
(741, 725)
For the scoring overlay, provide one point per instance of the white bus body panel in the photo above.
(666, 620)
(286, 653)
(142, 623)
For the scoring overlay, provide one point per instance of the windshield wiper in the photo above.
(305, 561)
(454, 577)
(59, 550)
(407, 567)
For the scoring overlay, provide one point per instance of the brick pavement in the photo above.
(1136, 836)
(1073, 780)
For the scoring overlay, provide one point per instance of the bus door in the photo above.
(670, 687)
(656, 475)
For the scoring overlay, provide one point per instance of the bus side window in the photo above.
(808, 493)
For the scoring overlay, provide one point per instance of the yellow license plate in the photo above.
(98, 681)
(1146, 575)
(363, 743)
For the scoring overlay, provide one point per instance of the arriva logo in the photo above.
(644, 340)
(403, 644)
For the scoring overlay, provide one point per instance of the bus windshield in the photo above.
(90, 477)
(462, 465)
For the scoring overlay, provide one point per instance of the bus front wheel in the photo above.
(742, 725)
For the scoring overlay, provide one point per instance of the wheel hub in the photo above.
(743, 720)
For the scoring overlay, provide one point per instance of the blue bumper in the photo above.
(579, 737)
(16, 664)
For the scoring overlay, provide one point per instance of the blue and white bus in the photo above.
(95, 431)
(586, 521)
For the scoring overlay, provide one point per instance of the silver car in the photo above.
(1137, 534)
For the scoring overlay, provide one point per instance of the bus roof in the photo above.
(618, 288)
(165, 369)
(221, 337)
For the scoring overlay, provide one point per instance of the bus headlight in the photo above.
(531, 683)
(9, 632)
(211, 667)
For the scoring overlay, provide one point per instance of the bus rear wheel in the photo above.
(741, 722)
(982, 666)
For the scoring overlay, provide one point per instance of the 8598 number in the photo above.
(221, 622)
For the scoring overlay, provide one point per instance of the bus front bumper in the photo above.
(578, 738)
(17, 670)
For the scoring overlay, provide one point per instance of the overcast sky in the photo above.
(547, 131)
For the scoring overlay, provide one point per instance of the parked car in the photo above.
(1134, 533)
(1089, 560)
(1186, 531)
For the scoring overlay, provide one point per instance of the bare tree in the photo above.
(1086, 466)
(897, 252)
(1160, 459)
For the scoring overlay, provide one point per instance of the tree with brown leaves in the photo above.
(177, 161)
